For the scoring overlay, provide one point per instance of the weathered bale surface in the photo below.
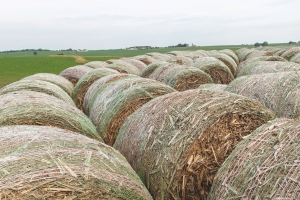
(215, 87)
(124, 67)
(231, 54)
(290, 52)
(277, 91)
(116, 103)
(96, 64)
(261, 67)
(38, 86)
(255, 54)
(227, 60)
(159, 56)
(139, 64)
(177, 142)
(86, 81)
(145, 59)
(40, 162)
(215, 68)
(73, 74)
(98, 86)
(296, 58)
(181, 60)
(201, 53)
(181, 77)
(243, 53)
(62, 82)
(265, 165)
(36, 108)
(175, 53)
(146, 73)
(279, 53)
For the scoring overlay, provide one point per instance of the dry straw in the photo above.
(215, 87)
(73, 74)
(296, 58)
(215, 68)
(139, 64)
(255, 54)
(176, 53)
(86, 81)
(265, 165)
(96, 64)
(123, 67)
(38, 86)
(181, 60)
(261, 67)
(159, 56)
(145, 59)
(177, 142)
(146, 73)
(36, 108)
(231, 54)
(40, 162)
(243, 53)
(227, 60)
(277, 91)
(63, 83)
(290, 52)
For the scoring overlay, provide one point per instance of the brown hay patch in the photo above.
(73, 74)
(78, 59)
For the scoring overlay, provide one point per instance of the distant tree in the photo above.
(298, 41)
(257, 44)
(35, 53)
(291, 42)
(265, 43)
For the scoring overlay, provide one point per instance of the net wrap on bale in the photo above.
(177, 142)
(73, 74)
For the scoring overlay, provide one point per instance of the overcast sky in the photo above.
(110, 24)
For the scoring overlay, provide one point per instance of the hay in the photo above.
(96, 64)
(145, 59)
(216, 69)
(38, 86)
(296, 58)
(175, 53)
(146, 73)
(100, 85)
(159, 56)
(255, 54)
(290, 52)
(86, 81)
(181, 60)
(265, 165)
(215, 87)
(243, 53)
(227, 60)
(261, 67)
(63, 83)
(73, 74)
(231, 54)
(177, 142)
(201, 53)
(279, 53)
(139, 64)
(36, 108)
(277, 91)
(39, 162)
(123, 67)
(113, 106)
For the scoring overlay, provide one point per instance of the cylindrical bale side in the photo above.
(277, 91)
(36, 108)
(124, 67)
(175, 53)
(96, 64)
(261, 67)
(86, 81)
(255, 54)
(243, 53)
(139, 64)
(216, 69)
(62, 82)
(201, 53)
(98, 86)
(181, 60)
(279, 53)
(230, 53)
(290, 52)
(40, 162)
(38, 86)
(177, 142)
(145, 59)
(215, 87)
(227, 60)
(146, 73)
(296, 58)
(159, 56)
(73, 74)
(265, 165)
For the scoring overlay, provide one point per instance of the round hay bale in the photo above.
(145, 59)
(146, 73)
(36, 108)
(290, 52)
(124, 67)
(139, 64)
(175, 53)
(86, 81)
(277, 91)
(227, 60)
(181, 60)
(296, 58)
(113, 107)
(96, 64)
(40, 162)
(201, 53)
(159, 56)
(100, 85)
(177, 142)
(73, 74)
(231, 54)
(63, 83)
(261, 67)
(243, 53)
(265, 165)
(38, 86)
(216, 69)
(279, 53)
(255, 54)
(215, 87)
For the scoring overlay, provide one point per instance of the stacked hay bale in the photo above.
(176, 53)
(96, 64)
(265, 165)
(38, 86)
(159, 56)
(123, 67)
(40, 162)
(177, 142)
(216, 69)
(139, 64)
(277, 91)
(288, 54)
(231, 54)
(227, 60)
(145, 59)
(86, 81)
(256, 53)
(296, 58)
(120, 99)
(63, 83)
(243, 53)
(73, 74)
(146, 73)
(181, 60)
(215, 87)
(36, 108)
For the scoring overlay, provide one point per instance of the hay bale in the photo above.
(277, 91)
(96, 64)
(265, 165)
(159, 56)
(279, 53)
(261, 67)
(123, 67)
(100, 85)
(36, 108)
(177, 142)
(139, 64)
(145, 59)
(215, 87)
(113, 106)
(243, 53)
(201, 53)
(38, 86)
(146, 73)
(290, 52)
(255, 54)
(231, 54)
(40, 162)
(86, 81)
(63, 83)
(296, 58)
(215, 68)
(175, 53)
(73, 74)
(227, 60)
(181, 60)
